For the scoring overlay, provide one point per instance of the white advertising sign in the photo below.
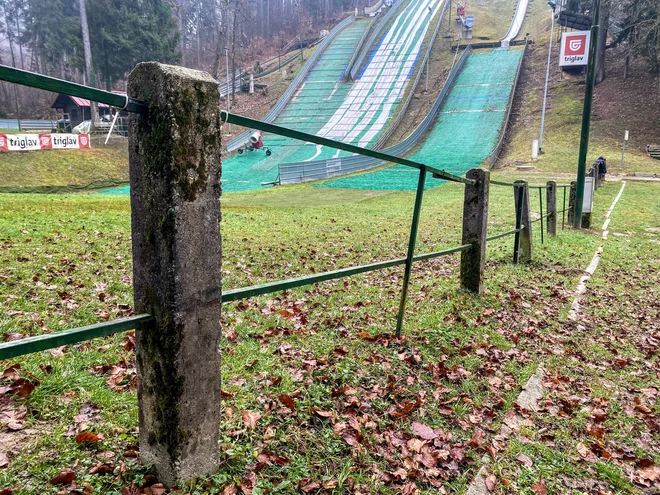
(19, 142)
(574, 50)
(29, 142)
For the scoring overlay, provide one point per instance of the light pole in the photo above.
(227, 96)
(586, 119)
(547, 77)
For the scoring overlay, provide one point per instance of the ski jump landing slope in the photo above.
(355, 113)
(468, 126)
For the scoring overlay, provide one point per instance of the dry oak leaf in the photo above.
(89, 437)
(64, 478)
(157, 489)
(423, 431)
(307, 485)
(539, 488)
(230, 490)
(648, 470)
(525, 459)
(250, 418)
(4, 460)
(490, 481)
(287, 401)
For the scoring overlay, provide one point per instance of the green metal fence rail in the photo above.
(55, 85)
(43, 342)
(38, 343)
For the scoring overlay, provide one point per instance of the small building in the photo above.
(77, 110)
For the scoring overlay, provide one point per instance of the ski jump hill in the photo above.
(351, 88)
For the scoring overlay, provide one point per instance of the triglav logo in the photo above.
(575, 46)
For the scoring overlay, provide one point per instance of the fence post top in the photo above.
(174, 71)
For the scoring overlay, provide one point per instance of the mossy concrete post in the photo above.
(571, 203)
(174, 153)
(475, 230)
(525, 253)
(551, 202)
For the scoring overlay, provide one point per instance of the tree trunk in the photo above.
(87, 51)
(183, 36)
(20, 45)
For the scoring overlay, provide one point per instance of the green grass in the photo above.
(59, 253)
(63, 167)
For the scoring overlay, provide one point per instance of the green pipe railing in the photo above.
(55, 85)
(38, 343)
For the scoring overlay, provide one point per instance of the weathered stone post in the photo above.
(475, 230)
(525, 253)
(571, 203)
(174, 152)
(551, 202)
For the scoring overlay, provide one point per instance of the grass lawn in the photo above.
(360, 394)
(63, 167)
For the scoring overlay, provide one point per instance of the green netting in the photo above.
(467, 129)
(316, 100)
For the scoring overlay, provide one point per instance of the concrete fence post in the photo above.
(525, 252)
(175, 165)
(475, 230)
(571, 203)
(551, 202)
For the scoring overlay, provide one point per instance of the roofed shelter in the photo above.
(78, 110)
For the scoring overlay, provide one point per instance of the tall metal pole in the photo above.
(228, 83)
(586, 120)
(547, 78)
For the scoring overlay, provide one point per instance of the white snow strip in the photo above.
(582, 284)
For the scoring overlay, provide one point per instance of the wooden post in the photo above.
(551, 203)
(175, 165)
(475, 230)
(525, 253)
(571, 203)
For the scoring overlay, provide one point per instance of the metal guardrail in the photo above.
(243, 138)
(374, 37)
(296, 172)
(28, 125)
(496, 152)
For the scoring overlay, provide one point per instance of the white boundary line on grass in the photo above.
(582, 284)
